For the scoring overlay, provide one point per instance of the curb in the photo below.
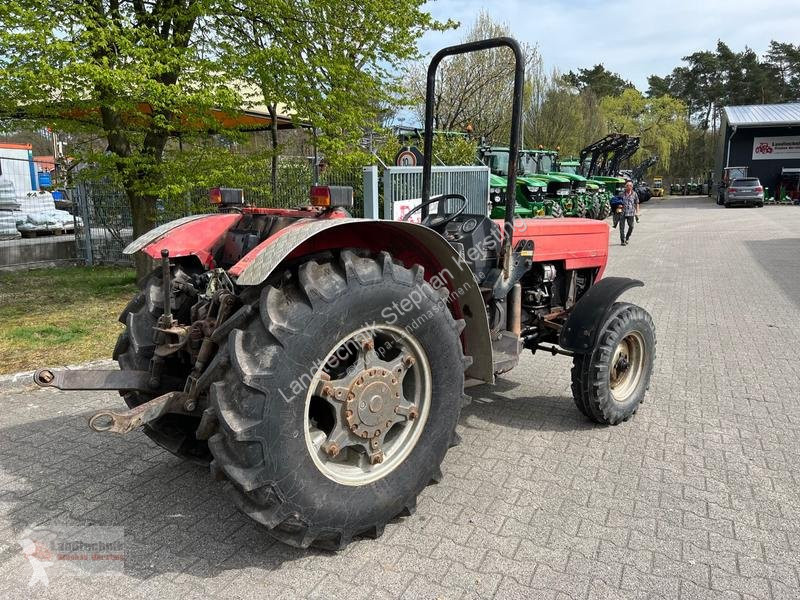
(24, 379)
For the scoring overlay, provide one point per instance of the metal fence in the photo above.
(100, 223)
(405, 183)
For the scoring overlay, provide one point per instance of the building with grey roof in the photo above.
(765, 138)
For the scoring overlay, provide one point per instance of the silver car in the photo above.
(746, 191)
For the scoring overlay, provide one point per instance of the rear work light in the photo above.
(331, 195)
(226, 196)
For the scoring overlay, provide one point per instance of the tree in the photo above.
(784, 60)
(599, 80)
(329, 62)
(474, 89)
(661, 122)
(563, 117)
(137, 72)
(148, 75)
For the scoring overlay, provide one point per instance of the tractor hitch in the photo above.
(126, 421)
(104, 380)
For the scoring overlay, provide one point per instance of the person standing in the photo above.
(630, 209)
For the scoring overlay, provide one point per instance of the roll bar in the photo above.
(516, 122)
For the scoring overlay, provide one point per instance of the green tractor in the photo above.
(593, 198)
(536, 195)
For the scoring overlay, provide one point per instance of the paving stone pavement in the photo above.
(695, 497)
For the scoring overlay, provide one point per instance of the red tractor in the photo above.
(318, 362)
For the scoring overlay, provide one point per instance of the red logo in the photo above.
(764, 148)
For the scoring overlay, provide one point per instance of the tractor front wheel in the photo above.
(609, 383)
(342, 399)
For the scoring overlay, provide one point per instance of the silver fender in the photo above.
(160, 231)
(262, 261)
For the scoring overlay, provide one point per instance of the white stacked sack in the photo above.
(8, 195)
(8, 203)
(38, 212)
(8, 226)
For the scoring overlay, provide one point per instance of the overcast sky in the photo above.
(632, 38)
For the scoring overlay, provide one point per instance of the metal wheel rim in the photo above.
(351, 467)
(627, 366)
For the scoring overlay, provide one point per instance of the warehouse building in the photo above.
(765, 138)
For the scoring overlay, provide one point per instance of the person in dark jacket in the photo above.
(617, 209)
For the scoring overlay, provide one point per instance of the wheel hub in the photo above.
(381, 391)
(371, 402)
(627, 364)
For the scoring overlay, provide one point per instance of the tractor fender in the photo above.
(590, 313)
(407, 242)
(196, 235)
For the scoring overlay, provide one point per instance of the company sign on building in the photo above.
(776, 148)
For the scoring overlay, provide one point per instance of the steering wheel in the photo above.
(441, 218)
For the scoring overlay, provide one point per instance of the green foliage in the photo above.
(661, 122)
(144, 79)
(332, 63)
(454, 150)
(563, 118)
(599, 80)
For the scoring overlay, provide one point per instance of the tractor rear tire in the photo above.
(282, 402)
(133, 351)
(609, 383)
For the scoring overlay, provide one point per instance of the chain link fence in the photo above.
(99, 223)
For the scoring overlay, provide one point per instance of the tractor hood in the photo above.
(532, 180)
(570, 176)
(496, 181)
(552, 177)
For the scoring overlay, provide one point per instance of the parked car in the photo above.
(745, 190)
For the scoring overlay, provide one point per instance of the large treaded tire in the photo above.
(605, 209)
(259, 446)
(556, 210)
(133, 351)
(591, 372)
(581, 207)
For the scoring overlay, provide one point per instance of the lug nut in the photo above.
(368, 345)
(408, 360)
(412, 413)
(376, 458)
(332, 450)
(327, 391)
